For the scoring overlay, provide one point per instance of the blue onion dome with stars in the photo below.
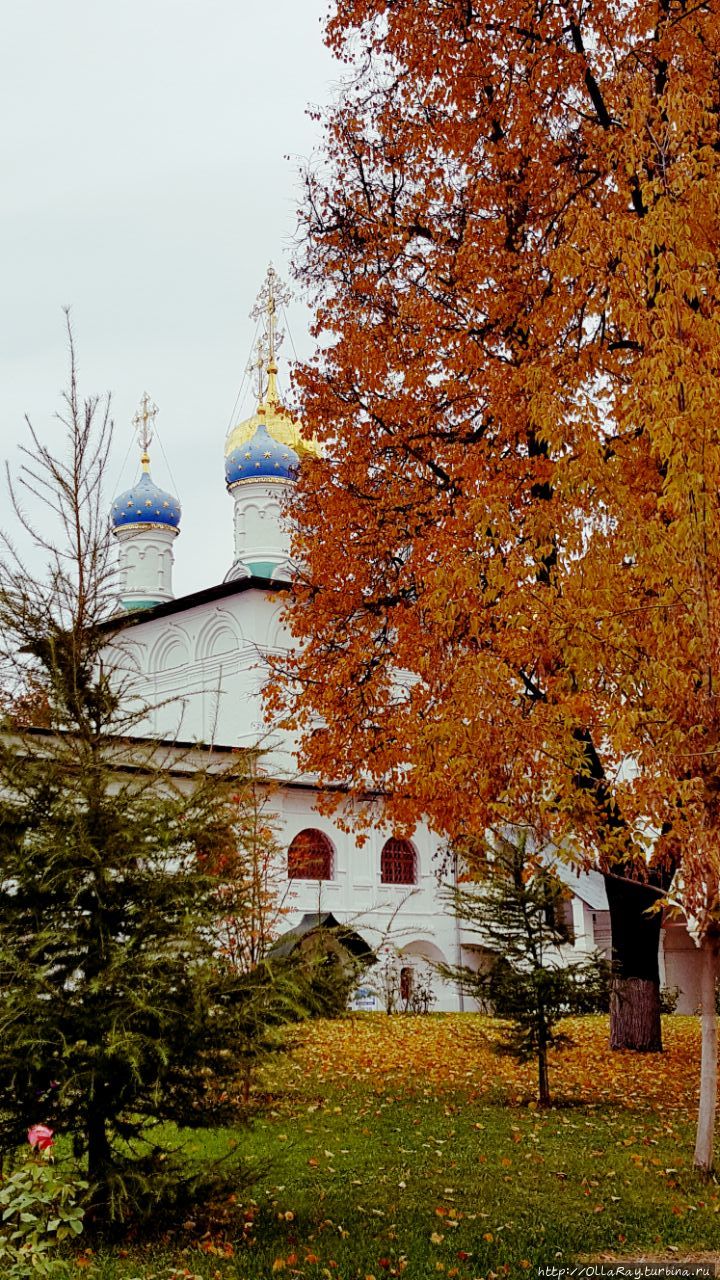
(260, 458)
(145, 504)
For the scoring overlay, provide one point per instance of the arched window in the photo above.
(397, 863)
(310, 856)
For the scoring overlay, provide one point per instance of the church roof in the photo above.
(315, 922)
(589, 885)
(209, 595)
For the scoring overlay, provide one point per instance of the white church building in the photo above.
(200, 662)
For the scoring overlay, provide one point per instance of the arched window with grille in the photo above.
(310, 856)
(398, 862)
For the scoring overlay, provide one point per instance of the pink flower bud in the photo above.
(40, 1136)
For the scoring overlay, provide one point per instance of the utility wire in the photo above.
(288, 330)
(122, 468)
(158, 437)
(245, 377)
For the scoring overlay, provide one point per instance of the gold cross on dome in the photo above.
(273, 294)
(257, 368)
(144, 422)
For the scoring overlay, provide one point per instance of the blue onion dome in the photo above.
(260, 458)
(145, 504)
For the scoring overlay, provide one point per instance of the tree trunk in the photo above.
(704, 1140)
(635, 994)
(98, 1148)
(635, 1015)
(543, 1078)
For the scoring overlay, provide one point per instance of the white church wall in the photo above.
(261, 533)
(404, 918)
(203, 668)
(170, 652)
(681, 968)
(583, 939)
(146, 562)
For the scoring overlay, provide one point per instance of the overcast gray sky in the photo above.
(150, 151)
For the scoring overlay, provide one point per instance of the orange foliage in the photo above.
(513, 251)
(451, 1060)
(28, 706)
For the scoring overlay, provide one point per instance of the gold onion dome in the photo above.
(279, 423)
(271, 416)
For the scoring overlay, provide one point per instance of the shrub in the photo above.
(669, 997)
(39, 1209)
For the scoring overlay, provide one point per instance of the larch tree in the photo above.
(511, 242)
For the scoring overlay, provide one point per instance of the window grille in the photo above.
(310, 857)
(398, 863)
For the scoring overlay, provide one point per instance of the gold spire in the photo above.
(144, 423)
(263, 369)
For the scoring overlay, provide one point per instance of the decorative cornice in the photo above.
(258, 480)
(134, 525)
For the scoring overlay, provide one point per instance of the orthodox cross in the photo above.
(257, 367)
(144, 423)
(273, 294)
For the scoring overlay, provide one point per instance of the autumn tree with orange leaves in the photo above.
(511, 240)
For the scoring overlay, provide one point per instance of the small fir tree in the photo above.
(118, 1008)
(519, 912)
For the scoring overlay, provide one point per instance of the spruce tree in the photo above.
(518, 911)
(118, 1009)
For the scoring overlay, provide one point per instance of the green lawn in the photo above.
(396, 1146)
